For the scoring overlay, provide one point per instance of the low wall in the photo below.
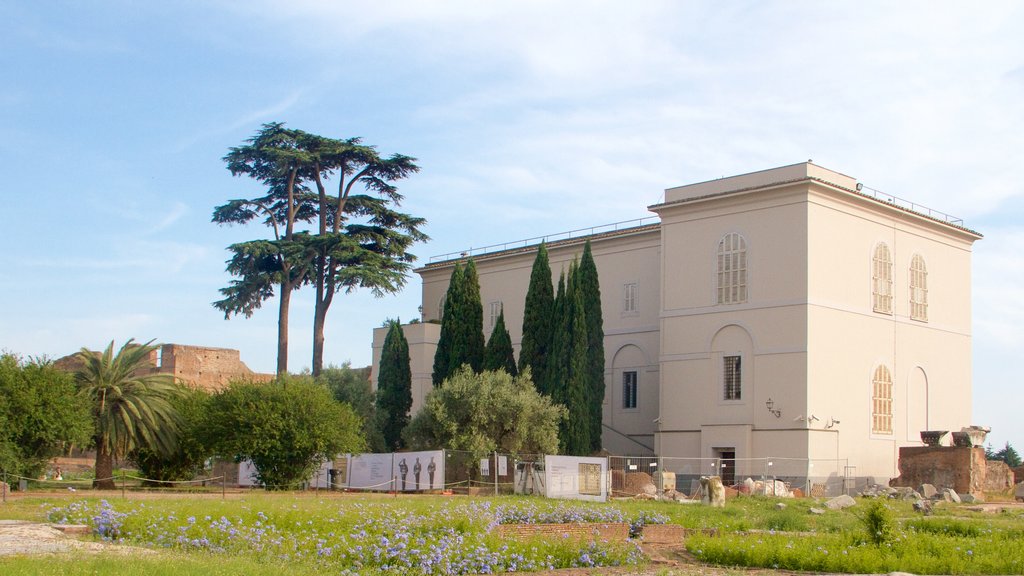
(611, 532)
(960, 468)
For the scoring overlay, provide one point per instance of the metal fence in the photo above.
(768, 476)
(496, 473)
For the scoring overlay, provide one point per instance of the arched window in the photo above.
(881, 401)
(881, 279)
(732, 269)
(918, 289)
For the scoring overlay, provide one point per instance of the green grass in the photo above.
(161, 564)
(753, 532)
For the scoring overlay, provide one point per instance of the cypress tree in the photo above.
(558, 355)
(472, 321)
(590, 288)
(499, 355)
(577, 439)
(394, 386)
(449, 325)
(537, 319)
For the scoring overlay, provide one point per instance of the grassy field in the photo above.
(299, 533)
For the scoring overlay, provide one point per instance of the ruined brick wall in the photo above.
(998, 476)
(959, 468)
(611, 532)
(207, 368)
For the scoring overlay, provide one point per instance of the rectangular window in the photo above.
(629, 297)
(495, 310)
(629, 389)
(732, 377)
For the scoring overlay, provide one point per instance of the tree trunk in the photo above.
(104, 469)
(282, 329)
(324, 297)
(319, 319)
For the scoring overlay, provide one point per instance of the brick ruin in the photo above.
(962, 468)
(202, 367)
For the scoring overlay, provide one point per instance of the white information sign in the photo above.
(485, 467)
(502, 465)
(576, 477)
(247, 473)
(370, 472)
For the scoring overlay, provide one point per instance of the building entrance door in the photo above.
(727, 465)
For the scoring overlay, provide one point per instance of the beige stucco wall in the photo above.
(631, 338)
(807, 335)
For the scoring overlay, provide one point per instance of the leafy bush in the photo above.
(39, 415)
(190, 453)
(879, 523)
(287, 428)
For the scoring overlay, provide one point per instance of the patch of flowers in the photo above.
(453, 538)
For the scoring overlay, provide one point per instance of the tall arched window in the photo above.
(881, 279)
(918, 289)
(881, 401)
(732, 269)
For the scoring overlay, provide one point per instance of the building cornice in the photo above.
(820, 181)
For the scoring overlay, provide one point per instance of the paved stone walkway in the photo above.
(25, 538)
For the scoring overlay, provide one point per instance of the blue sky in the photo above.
(528, 118)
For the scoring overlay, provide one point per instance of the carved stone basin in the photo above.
(933, 437)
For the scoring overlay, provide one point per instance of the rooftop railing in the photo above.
(578, 233)
(907, 204)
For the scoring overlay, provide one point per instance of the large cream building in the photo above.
(781, 314)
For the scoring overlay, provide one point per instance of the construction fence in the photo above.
(766, 476)
(498, 473)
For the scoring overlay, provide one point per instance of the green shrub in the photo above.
(879, 523)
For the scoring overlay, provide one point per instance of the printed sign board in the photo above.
(576, 477)
(419, 470)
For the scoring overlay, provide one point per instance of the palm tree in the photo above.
(130, 404)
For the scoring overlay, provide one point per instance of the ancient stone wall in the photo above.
(998, 476)
(960, 468)
(207, 368)
(198, 366)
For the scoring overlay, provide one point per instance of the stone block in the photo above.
(951, 495)
(713, 491)
(1018, 492)
(998, 476)
(840, 502)
(928, 491)
(664, 481)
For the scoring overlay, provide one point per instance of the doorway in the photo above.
(726, 465)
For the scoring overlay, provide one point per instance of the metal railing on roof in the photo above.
(578, 233)
(908, 205)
